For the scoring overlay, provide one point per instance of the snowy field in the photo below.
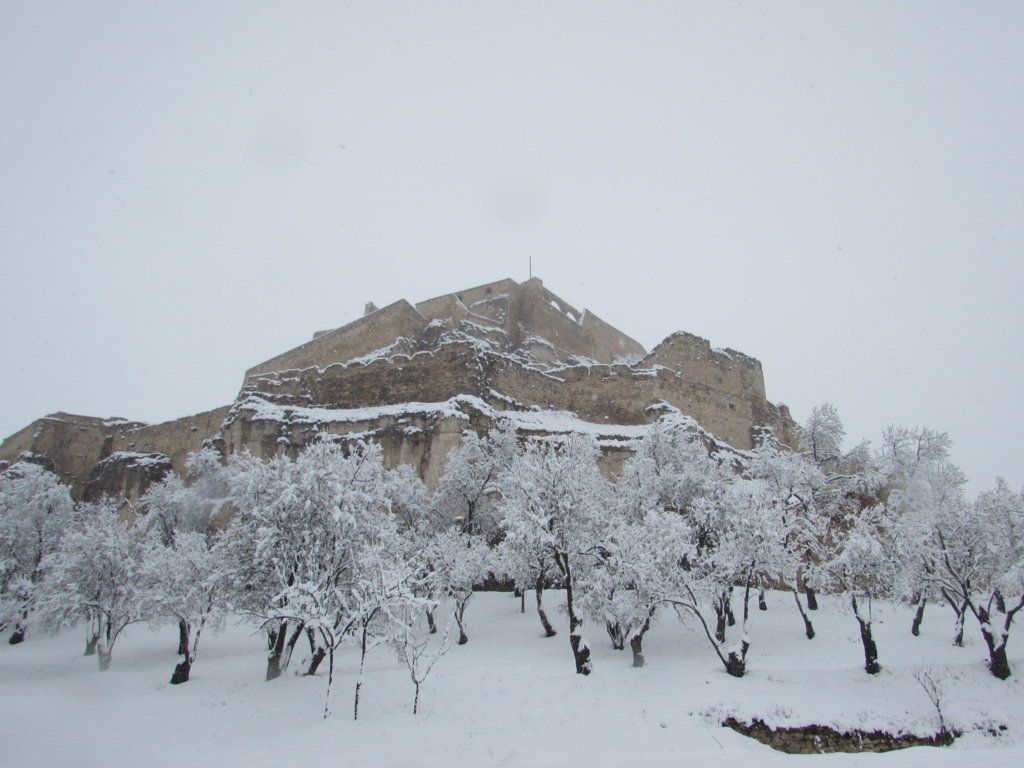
(508, 698)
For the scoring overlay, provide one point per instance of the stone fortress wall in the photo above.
(414, 377)
(368, 333)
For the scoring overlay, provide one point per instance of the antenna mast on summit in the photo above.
(531, 266)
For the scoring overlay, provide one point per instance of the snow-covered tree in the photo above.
(182, 580)
(553, 499)
(862, 564)
(418, 521)
(466, 493)
(671, 469)
(410, 502)
(926, 498)
(458, 561)
(291, 543)
(385, 591)
(807, 501)
(674, 470)
(35, 510)
(413, 645)
(821, 437)
(524, 560)
(709, 519)
(973, 555)
(97, 570)
(609, 592)
(751, 550)
(673, 573)
(330, 545)
(1001, 585)
(193, 505)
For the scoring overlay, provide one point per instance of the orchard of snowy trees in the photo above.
(333, 548)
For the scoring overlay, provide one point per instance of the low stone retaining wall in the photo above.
(813, 739)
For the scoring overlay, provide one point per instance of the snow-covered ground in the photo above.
(508, 698)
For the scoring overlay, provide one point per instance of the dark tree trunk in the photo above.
(720, 617)
(1000, 603)
(636, 642)
(363, 647)
(431, 623)
(314, 663)
(730, 618)
(808, 627)
(915, 627)
(871, 665)
(460, 612)
(286, 660)
(958, 627)
(812, 599)
(20, 630)
(317, 653)
(522, 601)
(614, 630)
(90, 643)
(761, 604)
(720, 624)
(183, 640)
(998, 664)
(580, 649)
(746, 599)
(277, 640)
(549, 631)
(736, 663)
(181, 671)
(330, 679)
(105, 650)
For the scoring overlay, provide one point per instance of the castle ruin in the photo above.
(415, 377)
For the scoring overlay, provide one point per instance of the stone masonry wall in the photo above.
(365, 335)
(424, 377)
(175, 439)
(617, 395)
(610, 342)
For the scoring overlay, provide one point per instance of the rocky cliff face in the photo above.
(415, 378)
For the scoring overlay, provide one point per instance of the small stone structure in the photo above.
(415, 377)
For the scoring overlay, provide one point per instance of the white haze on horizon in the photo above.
(834, 188)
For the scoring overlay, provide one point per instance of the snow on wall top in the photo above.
(547, 422)
(138, 459)
(262, 410)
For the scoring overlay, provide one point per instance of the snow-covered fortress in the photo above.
(415, 377)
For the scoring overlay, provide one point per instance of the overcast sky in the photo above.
(835, 188)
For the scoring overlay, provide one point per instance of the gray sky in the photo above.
(834, 188)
